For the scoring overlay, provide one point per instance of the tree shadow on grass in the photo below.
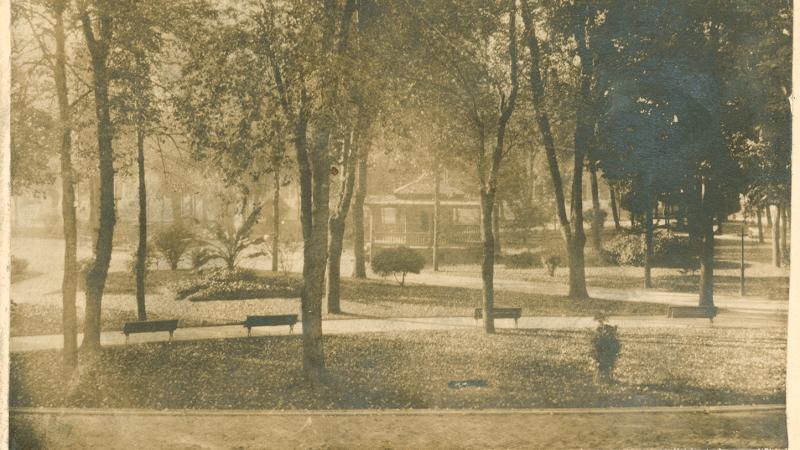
(685, 392)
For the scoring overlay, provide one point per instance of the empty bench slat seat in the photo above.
(149, 326)
(270, 321)
(501, 313)
(692, 312)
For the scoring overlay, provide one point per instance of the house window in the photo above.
(389, 216)
(466, 216)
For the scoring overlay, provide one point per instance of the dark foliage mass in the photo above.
(669, 250)
(397, 261)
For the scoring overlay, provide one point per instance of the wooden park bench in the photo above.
(150, 326)
(269, 321)
(501, 313)
(692, 312)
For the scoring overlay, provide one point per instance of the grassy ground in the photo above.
(360, 298)
(761, 279)
(522, 368)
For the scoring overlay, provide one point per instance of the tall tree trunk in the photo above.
(648, 254)
(489, 180)
(707, 247)
(436, 187)
(94, 205)
(276, 218)
(776, 238)
(315, 256)
(614, 208)
(574, 245)
(769, 215)
(496, 226)
(314, 180)
(694, 217)
(337, 224)
(583, 135)
(597, 220)
(487, 263)
(784, 229)
(141, 251)
(69, 282)
(334, 266)
(360, 269)
(96, 276)
(760, 226)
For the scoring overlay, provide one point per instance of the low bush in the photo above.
(588, 216)
(173, 243)
(228, 242)
(551, 262)
(237, 284)
(669, 250)
(398, 260)
(150, 261)
(605, 348)
(524, 260)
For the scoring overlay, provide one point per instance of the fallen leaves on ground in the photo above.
(523, 369)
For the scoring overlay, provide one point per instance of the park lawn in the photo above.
(761, 279)
(360, 298)
(37, 319)
(376, 297)
(522, 369)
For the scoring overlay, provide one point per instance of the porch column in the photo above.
(405, 227)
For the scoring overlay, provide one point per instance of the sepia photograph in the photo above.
(397, 224)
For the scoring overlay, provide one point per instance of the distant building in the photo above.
(405, 217)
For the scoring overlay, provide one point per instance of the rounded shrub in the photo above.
(397, 261)
(669, 250)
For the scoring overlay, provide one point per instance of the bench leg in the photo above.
(248, 331)
(170, 336)
(516, 325)
(291, 327)
(126, 339)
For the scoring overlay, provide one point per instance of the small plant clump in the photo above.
(397, 261)
(228, 243)
(173, 243)
(606, 347)
(551, 263)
